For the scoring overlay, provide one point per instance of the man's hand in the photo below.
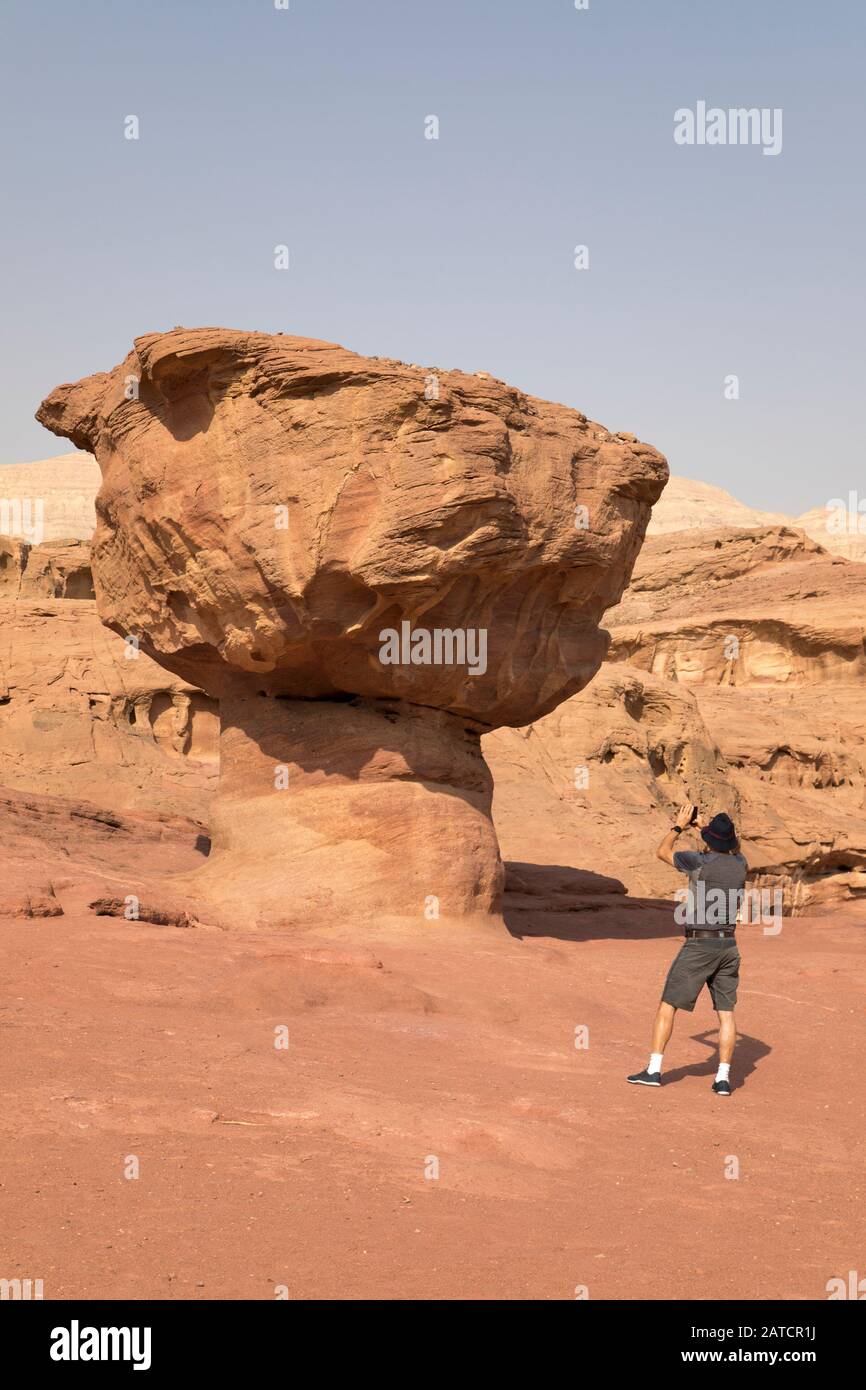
(665, 851)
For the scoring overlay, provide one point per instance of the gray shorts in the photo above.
(698, 963)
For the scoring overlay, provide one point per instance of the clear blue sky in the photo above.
(306, 127)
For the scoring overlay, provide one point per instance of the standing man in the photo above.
(709, 955)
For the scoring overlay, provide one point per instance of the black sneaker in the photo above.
(646, 1078)
(722, 1088)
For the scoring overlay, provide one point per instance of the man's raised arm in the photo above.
(665, 851)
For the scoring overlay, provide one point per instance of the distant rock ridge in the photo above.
(686, 505)
(69, 484)
(55, 494)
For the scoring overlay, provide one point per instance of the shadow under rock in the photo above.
(567, 904)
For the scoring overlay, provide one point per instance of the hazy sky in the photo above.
(306, 127)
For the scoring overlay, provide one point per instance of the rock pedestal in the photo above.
(359, 809)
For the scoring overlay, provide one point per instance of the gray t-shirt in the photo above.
(716, 883)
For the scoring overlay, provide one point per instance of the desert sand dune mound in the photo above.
(369, 564)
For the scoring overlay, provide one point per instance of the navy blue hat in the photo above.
(720, 833)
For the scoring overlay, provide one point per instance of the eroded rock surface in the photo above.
(594, 784)
(271, 507)
(55, 569)
(734, 679)
(84, 714)
(744, 609)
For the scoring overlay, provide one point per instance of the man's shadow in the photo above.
(747, 1055)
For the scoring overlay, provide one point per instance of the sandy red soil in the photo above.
(305, 1167)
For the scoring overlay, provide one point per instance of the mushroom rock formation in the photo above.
(369, 564)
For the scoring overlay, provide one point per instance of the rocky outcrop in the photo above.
(735, 679)
(90, 728)
(688, 505)
(839, 528)
(56, 569)
(369, 565)
(58, 848)
(84, 714)
(595, 784)
(735, 671)
(26, 891)
(744, 609)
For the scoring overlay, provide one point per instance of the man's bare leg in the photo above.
(727, 1034)
(727, 1040)
(664, 1026)
(662, 1029)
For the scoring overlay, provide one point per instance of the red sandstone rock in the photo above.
(54, 569)
(595, 785)
(271, 509)
(735, 679)
(85, 716)
(25, 890)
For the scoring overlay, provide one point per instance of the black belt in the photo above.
(708, 931)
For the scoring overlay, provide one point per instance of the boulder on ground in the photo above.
(369, 565)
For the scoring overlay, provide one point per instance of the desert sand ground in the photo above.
(300, 1171)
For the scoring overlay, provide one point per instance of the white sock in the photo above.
(655, 1062)
(724, 1071)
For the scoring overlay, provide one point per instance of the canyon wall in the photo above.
(734, 679)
